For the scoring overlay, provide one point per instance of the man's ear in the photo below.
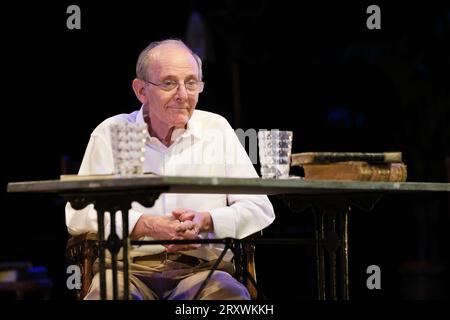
(138, 88)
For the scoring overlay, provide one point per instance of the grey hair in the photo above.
(143, 60)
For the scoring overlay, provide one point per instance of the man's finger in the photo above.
(179, 210)
(187, 216)
(183, 216)
(182, 210)
(177, 214)
(185, 225)
(189, 234)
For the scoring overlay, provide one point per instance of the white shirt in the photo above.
(207, 147)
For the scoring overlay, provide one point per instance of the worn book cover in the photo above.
(356, 171)
(331, 157)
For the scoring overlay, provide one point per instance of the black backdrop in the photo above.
(315, 69)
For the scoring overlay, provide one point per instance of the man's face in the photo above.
(171, 63)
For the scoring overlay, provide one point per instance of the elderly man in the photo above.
(182, 141)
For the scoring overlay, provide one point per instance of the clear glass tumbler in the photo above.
(128, 146)
(275, 153)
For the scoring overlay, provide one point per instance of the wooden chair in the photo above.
(82, 250)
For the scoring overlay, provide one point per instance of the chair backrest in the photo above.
(82, 250)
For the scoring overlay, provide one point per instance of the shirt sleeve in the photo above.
(245, 214)
(97, 160)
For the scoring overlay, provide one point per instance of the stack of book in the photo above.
(355, 166)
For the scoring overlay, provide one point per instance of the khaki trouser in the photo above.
(172, 278)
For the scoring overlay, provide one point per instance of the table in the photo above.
(329, 200)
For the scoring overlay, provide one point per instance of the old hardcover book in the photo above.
(331, 157)
(356, 171)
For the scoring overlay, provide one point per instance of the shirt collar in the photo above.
(192, 127)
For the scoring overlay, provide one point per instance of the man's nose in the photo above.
(182, 92)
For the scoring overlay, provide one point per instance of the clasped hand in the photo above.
(180, 224)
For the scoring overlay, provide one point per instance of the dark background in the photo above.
(315, 69)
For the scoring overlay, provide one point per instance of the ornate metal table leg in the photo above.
(113, 245)
(320, 259)
(329, 210)
(333, 244)
(125, 244)
(101, 252)
(331, 233)
(328, 240)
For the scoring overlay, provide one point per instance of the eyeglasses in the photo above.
(192, 86)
